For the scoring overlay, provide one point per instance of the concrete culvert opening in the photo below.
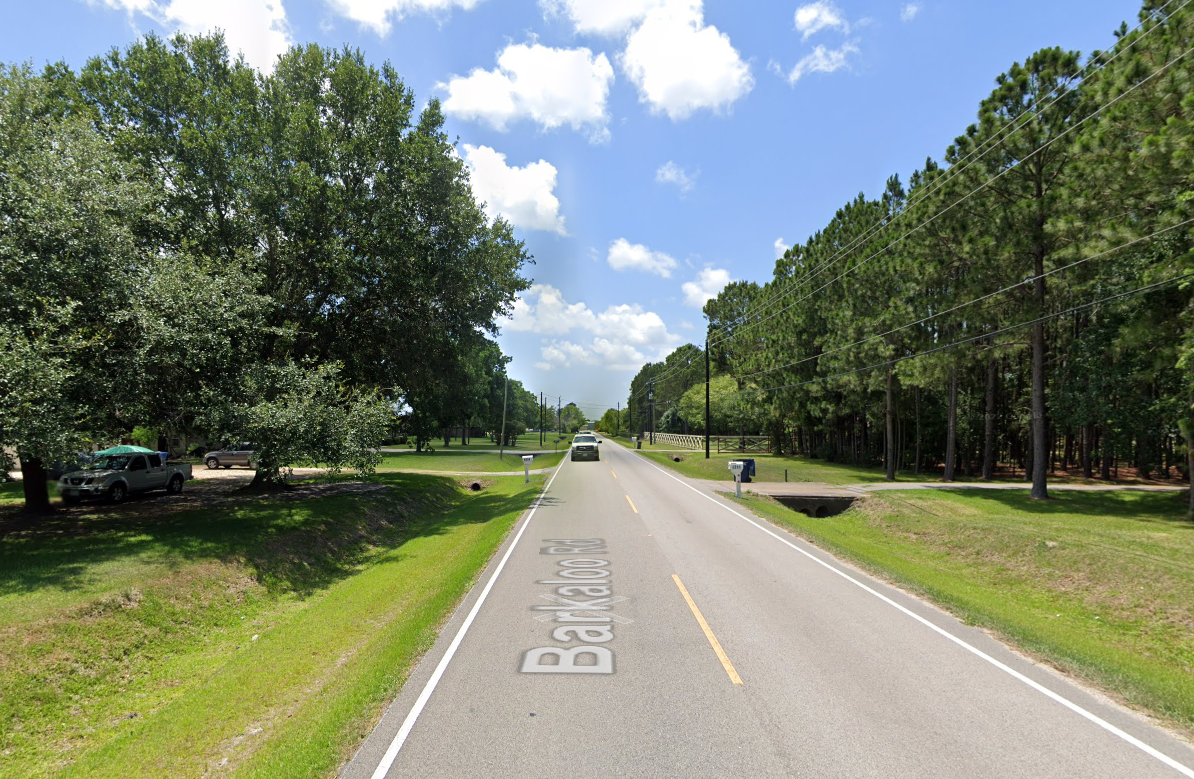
(678, 459)
(816, 507)
(475, 486)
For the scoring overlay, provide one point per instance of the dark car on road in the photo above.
(242, 454)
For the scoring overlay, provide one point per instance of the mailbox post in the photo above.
(526, 467)
(736, 467)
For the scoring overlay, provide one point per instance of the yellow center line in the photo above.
(611, 473)
(717, 650)
(631, 502)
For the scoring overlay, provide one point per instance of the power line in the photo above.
(967, 303)
(818, 269)
(980, 336)
(963, 164)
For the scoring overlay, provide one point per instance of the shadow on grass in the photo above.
(1166, 508)
(292, 545)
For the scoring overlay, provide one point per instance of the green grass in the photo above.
(771, 468)
(127, 640)
(1100, 584)
(448, 460)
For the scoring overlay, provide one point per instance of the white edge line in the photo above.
(387, 760)
(1151, 751)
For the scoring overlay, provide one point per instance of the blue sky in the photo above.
(647, 151)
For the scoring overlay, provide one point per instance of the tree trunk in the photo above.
(37, 492)
(951, 427)
(889, 460)
(1040, 426)
(989, 421)
(1190, 455)
(916, 467)
(1087, 448)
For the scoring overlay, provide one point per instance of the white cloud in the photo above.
(256, 28)
(552, 87)
(822, 60)
(781, 246)
(909, 12)
(624, 255)
(377, 14)
(681, 65)
(522, 195)
(601, 17)
(705, 287)
(815, 17)
(671, 173)
(619, 338)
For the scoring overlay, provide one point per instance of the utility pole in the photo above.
(559, 417)
(707, 395)
(618, 419)
(651, 403)
(502, 442)
(630, 407)
(542, 415)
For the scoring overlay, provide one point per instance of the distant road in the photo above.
(798, 665)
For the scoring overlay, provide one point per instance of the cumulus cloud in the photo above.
(781, 246)
(671, 173)
(523, 196)
(909, 12)
(680, 64)
(552, 87)
(624, 255)
(258, 29)
(705, 286)
(377, 15)
(814, 17)
(619, 338)
(601, 17)
(822, 60)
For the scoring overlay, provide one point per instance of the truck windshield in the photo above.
(109, 462)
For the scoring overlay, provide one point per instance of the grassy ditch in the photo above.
(463, 461)
(1099, 584)
(251, 638)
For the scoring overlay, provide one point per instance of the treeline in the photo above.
(294, 259)
(1026, 303)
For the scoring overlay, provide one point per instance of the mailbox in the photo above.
(736, 467)
(527, 458)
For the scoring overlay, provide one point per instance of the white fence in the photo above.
(674, 439)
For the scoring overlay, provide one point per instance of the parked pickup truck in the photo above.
(115, 476)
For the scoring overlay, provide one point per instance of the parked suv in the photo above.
(242, 454)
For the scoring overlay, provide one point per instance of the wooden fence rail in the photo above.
(724, 443)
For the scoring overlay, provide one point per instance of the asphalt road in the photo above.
(819, 670)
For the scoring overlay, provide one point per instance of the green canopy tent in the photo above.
(122, 449)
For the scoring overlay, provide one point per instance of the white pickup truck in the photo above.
(115, 476)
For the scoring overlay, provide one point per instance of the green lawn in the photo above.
(450, 460)
(255, 639)
(771, 468)
(1101, 584)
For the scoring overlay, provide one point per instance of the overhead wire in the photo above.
(980, 336)
(968, 303)
(804, 280)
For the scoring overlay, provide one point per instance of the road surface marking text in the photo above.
(713, 642)
(589, 621)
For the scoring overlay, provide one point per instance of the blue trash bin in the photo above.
(748, 469)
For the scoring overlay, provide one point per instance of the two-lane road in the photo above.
(634, 625)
